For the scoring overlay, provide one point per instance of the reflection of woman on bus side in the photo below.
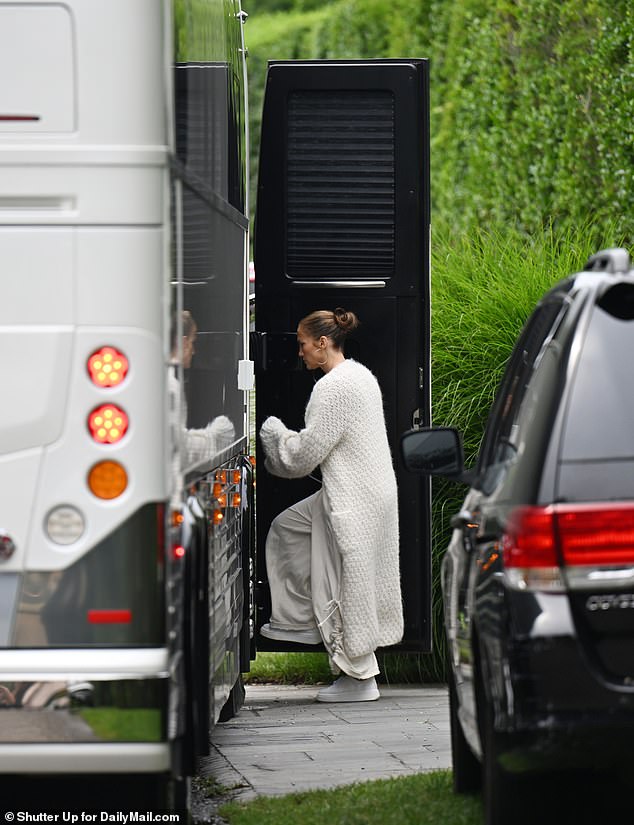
(332, 559)
(197, 444)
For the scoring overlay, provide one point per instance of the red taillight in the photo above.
(108, 424)
(584, 534)
(107, 367)
(529, 540)
(596, 534)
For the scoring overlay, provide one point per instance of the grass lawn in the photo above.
(313, 669)
(289, 669)
(422, 799)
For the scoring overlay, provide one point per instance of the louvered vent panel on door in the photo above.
(340, 200)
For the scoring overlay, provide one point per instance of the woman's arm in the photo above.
(293, 454)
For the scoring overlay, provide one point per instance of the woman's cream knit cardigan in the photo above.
(345, 434)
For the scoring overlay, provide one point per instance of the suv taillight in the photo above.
(529, 540)
(530, 552)
(539, 539)
(596, 534)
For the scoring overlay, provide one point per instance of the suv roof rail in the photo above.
(612, 261)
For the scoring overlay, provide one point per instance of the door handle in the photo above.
(340, 284)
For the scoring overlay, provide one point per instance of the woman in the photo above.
(332, 559)
(198, 444)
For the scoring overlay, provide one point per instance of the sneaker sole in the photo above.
(281, 636)
(371, 698)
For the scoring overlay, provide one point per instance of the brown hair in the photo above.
(188, 326)
(334, 325)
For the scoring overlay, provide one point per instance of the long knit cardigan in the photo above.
(345, 435)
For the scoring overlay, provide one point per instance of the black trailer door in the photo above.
(343, 220)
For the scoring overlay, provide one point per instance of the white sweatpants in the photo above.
(303, 565)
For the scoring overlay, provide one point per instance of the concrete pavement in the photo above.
(283, 741)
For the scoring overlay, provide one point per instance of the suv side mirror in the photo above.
(433, 451)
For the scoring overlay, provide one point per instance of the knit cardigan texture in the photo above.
(345, 435)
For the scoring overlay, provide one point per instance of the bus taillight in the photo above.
(107, 367)
(108, 424)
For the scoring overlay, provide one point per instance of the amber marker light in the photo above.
(107, 479)
(107, 367)
(108, 424)
(217, 517)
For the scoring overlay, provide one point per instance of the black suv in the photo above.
(538, 578)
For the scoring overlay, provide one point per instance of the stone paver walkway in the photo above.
(284, 741)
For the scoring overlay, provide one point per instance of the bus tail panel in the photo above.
(112, 595)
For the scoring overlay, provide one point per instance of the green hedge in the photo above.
(532, 117)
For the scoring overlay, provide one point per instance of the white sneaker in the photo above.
(347, 689)
(311, 636)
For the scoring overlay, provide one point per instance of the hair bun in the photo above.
(345, 320)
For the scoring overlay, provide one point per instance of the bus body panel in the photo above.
(83, 78)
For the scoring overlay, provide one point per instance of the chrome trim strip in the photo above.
(340, 284)
(85, 758)
(83, 663)
(84, 712)
(599, 579)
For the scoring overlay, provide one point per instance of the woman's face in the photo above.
(189, 348)
(311, 350)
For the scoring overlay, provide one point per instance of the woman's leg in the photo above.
(304, 572)
(325, 586)
(288, 566)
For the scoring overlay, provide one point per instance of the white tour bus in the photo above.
(131, 589)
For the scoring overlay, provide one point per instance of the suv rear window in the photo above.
(600, 420)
